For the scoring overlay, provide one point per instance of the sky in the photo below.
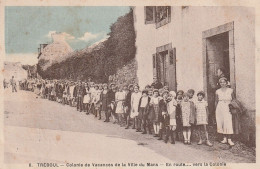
(28, 27)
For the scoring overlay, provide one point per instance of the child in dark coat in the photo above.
(163, 115)
(143, 110)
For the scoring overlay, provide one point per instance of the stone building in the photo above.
(56, 51)
(183, 47)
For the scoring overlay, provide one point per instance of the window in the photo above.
(163, 15)
(149, 14)
(160, 15)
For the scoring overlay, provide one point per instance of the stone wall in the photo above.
(125, 75)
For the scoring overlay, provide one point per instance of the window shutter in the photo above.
(172, 56)
(172, 69)
(149, 14)
(154, 66)
(169, 13)
(154, 61)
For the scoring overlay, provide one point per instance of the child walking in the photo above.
(201, 107)
(187, 109)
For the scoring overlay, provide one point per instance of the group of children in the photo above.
(170, 113)
(161, 112)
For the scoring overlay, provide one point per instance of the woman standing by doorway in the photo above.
(224, 96)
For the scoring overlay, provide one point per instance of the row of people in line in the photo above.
(162, 112)
(150, 111)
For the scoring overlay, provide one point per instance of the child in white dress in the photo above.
(135, 98)
(187, 108)
(201, 107)
(171, 108)
(120, 100)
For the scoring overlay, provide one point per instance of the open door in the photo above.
(218, 56)
(171, 71)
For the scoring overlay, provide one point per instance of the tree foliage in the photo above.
(101, 61)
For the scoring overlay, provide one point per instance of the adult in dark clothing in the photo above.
(157, 85)
(143, 109)
(75, 91)
(104, 101)
(179, 135)
(110, 102)
(60, 93)
(81, 91)
(128, 105)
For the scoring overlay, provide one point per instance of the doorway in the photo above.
(162, 67)
(218, 53)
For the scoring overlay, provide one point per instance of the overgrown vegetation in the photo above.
(103, 60)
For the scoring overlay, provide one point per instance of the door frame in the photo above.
(228, 27)
(160, 49)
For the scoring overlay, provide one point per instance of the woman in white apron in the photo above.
(224, 96)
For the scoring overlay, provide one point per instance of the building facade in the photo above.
(56, 51)
(183, 47)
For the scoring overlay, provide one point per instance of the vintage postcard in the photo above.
(129, 84)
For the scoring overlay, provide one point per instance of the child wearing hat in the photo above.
(171, 108)
(187, 110)
(201, 107)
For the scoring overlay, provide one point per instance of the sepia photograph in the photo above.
(126, 86)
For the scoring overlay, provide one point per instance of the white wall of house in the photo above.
(185, 33)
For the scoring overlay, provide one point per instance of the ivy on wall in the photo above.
(103, 60)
